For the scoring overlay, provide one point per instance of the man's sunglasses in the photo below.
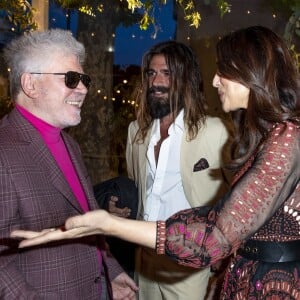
(72, 78)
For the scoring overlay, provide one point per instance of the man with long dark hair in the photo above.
(173, 154)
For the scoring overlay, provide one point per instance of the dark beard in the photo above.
(159, 106)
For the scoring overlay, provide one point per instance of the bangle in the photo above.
(160, 237)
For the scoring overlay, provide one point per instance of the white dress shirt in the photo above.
(165, 195)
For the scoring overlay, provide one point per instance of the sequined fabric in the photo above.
(264, 204)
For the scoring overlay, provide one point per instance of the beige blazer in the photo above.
(201, 187)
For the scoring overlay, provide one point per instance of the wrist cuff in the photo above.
(160, 237)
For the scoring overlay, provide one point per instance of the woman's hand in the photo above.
(94, 222)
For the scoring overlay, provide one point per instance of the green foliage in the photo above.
(191, 14)
(71, 4)
(224, 7)
(144, 11)
(122, 12)
(292, 28)
(20, 14)
(292, 32)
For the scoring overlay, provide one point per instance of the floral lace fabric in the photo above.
(263, 204)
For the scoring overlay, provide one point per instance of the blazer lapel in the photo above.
(43, 157)
(56, 177)
(142, 156)
(81, 170)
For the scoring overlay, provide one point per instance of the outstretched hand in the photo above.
(91, 223)
(94, 222)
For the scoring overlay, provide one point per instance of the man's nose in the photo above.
(83, 89)
(157, 79)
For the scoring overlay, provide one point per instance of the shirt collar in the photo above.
(178, 124)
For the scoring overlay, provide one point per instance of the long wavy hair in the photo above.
(259, 59)
(186, 88)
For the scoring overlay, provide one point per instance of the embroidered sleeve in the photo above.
(196, 240)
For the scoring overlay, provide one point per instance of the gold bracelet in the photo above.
(160, 237)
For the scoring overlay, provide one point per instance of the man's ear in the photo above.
(28, 85)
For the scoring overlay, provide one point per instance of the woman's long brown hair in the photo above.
(259, 59)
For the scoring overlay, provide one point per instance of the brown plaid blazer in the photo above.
(35, 195)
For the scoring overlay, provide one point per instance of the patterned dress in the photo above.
(263, 205)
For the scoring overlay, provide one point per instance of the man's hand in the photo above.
(124, 288)
(119, 212)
